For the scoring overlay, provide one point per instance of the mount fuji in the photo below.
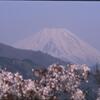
(61, 43)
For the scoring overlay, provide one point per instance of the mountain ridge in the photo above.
(37, 57)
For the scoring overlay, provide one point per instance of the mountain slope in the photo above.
(62, 44)
(36, 57)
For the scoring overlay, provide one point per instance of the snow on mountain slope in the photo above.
(61, 43)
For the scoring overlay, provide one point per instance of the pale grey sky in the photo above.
(19, 19)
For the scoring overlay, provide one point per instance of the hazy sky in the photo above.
(19, 19)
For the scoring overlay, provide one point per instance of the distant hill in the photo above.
(24, 60)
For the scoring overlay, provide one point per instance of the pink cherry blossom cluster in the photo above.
(56, 82)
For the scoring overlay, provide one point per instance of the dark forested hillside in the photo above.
(24, 60)
(37, 57)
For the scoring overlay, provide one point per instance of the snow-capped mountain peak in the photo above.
(61, 43)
